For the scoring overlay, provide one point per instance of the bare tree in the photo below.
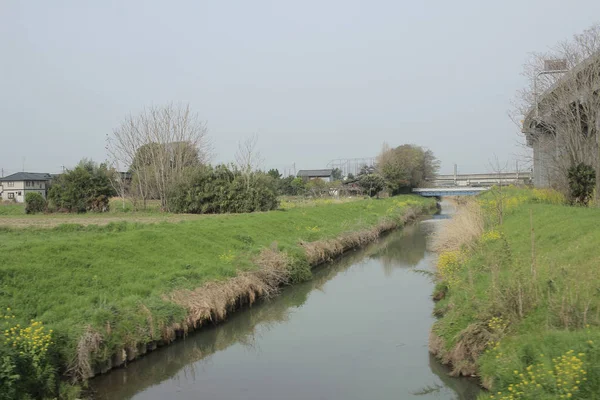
(158, 145)
(118, 180)
(562, 110)
(248, 159)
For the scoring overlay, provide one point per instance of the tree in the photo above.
(274, 173)
(371, 184)
(564, 125)
(350, 176)
(406, 167)
(34, 203)
(87, 187)
(317, 187)
(582, 180)
(120, 182)
(337, 174)
(299, 186)
(159, 145)
(366, 169)
(248, 158)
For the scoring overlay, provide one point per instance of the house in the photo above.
(15, 186)
(311, 174)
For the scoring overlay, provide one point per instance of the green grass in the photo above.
(72, 276)
(549, 309)
(11, 209)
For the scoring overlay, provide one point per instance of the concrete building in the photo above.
(569, 106)
(311, 174)
(14, 187)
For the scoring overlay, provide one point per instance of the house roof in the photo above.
(27, 176)
(315, 172)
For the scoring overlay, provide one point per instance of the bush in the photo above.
(582, 180)
(34, 203)
(291, 186)
(85, 188)
(223, 189)
(27, 368)
(372, 184)
(317, 187)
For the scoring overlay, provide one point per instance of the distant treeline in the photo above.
(163, 154)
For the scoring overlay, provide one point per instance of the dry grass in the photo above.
(462, 357)
(81, 366)
(213, 300)
(322, 251)
(471, 343)
(462, 230)
(436, 345)
(209, 303)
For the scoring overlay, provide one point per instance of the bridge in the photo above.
(483, 180)
(453, 191)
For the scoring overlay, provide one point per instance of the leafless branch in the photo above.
(157, 146)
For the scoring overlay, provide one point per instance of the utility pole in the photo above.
(455, 173)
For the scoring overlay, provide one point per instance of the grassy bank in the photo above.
(519, 301)
(108, 291)
(12, 215)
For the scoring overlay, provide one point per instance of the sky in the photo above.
(314, 80)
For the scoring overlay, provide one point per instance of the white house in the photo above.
(310, 174)
(15, 186)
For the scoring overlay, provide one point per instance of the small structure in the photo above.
(455, 191)
(311, 174)
(14, 187)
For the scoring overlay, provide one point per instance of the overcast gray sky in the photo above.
(317, 80)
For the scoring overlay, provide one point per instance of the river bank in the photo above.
(357, 329)
(518, 300)
(110, 294)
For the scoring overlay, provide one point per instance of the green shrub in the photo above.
(223, 189)
(85, 188)
(582, 180)
(372, 184)
(34, 203)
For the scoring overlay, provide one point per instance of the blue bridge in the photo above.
(449, 191)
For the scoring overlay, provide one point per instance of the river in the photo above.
(357, 330)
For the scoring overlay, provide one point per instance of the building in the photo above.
(14, 187)
(311, 174)
(563, 121)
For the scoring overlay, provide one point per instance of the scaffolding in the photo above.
(351, 165)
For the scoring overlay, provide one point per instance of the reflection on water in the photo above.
(357, 330)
